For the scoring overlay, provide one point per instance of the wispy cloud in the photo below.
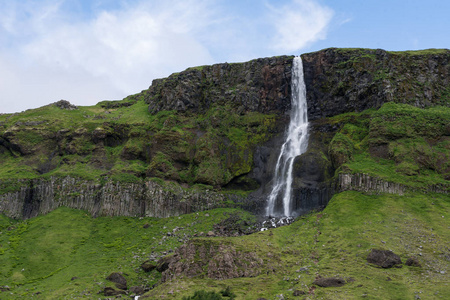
(49, 53)
(299, 24)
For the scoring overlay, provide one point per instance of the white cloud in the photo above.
(110, 56)
(299, 24)
(49, 53)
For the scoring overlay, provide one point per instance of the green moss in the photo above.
(421, 52)
(398, 143)
(341, 149)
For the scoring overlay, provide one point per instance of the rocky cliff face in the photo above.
(148, 199)
(346, 80)
(261, 85)
(220, 127)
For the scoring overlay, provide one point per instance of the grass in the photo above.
(414, 144)
(336, 242)
(117, 137)
(43, 254)
(67, 254)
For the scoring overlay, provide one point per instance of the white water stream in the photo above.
(295, 144)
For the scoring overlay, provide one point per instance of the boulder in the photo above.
(109, 291)
(118, 279)
(413, 262)
(298, 293)
(384, 258)
(148, 266)
(329, 282)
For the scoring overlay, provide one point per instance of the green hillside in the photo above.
(68, 255)
(379, 140)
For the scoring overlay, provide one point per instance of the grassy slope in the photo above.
(208, 148)
(44, 253)
(53, 119)
(409, 145)
(336, 242)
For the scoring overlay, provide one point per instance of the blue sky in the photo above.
(89, 51)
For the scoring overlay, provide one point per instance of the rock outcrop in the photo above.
(384, 258)
(352, 80)
(149, 199)
(368, 184)
(216, 260)
(261, 85)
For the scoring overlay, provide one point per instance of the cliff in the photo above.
(261, 85)
(219, 128)
(352, 80)
(147, 199)
(378, 159)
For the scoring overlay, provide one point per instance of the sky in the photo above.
(86, 51)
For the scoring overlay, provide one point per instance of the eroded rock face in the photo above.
(203, 152)
(347, 80)
(216, 260)
(150, 199)
(261, 85)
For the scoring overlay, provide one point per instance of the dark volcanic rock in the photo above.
(109, 291)
(148, 266)
(413, 262)
(312, 185)
(347, 80)
(329, 282)
(261, 85)
(384, 258)
(118, 279)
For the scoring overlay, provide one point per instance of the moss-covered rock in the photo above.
(352, 80)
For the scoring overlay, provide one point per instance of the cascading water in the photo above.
(295, 144)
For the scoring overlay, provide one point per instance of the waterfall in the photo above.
(295, 144)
